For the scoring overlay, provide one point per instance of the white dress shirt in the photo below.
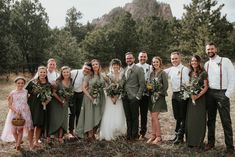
(52, 76)
(228, 74)
(146, 68)
(78, 81)
(174, 73)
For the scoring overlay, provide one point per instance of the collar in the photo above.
(216, 59)
(130, 66)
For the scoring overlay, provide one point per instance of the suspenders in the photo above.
(181, 77)
(220, 64)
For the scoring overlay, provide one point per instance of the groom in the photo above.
(133, 87)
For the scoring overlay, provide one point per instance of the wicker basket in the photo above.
(18, 121)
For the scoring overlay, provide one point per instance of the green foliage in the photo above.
(113, 40)
(202, 22)
(29, 26)
(155, 37)
(65, 49)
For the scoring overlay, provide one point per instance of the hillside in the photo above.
(139, 9)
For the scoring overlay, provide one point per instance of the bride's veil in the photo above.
(118, 62)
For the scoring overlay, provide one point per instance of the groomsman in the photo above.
(52, 74)
(221, 76)
(179, 74)
(77, 76)
(143, 57)
(133, 87)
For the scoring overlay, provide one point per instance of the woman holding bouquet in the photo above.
(93, 102)
(113, 122)
(157, 86)
(39, 91)
(62, 92)
(196, 113)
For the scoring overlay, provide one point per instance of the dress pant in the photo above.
(143, 114)
(131, 109)
(216, 99)
(75, 109)
(179, 110)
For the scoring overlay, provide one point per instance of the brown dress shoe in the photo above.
(209, 147)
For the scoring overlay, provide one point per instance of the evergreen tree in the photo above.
(203, 22)
(29, 26)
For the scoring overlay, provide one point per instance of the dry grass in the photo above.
(118, 148)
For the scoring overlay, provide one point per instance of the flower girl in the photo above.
(18, 108)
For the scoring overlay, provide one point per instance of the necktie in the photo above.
(128, 73)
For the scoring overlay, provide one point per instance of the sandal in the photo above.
(150, 140)
(157, 140)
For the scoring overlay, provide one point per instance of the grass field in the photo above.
(116, 148)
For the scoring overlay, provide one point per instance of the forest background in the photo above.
(27, 41)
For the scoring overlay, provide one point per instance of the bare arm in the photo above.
(85, 89)
(10, 104)
(203, 91)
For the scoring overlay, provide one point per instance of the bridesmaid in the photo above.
(196, 113)
(38, 101)
(158, 102)
(93, 104)
(62, 93)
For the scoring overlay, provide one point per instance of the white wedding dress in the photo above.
(113, 123)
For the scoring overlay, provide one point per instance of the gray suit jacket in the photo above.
(134, 85)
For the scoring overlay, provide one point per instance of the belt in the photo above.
(176, 92)
(78, 92)
(217, 90)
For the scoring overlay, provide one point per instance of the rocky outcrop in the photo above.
(139, 9)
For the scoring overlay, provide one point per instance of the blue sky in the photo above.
(91, 9)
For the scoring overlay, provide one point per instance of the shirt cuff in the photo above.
(137, 98)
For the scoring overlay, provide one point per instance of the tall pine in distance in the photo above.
(203, 22)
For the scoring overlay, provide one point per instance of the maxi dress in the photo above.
(58, 111)
(196, 118)
(91, 114)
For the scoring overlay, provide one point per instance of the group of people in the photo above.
(87, 103)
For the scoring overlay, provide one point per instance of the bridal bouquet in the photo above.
(191, 88)
(95, 91)
(154, 87)
(114, 89)
(65, 93)
(44, 92)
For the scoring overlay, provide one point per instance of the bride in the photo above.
(113, 122)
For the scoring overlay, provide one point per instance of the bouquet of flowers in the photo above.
(114, 90)
(65, 94)
(148, 88)
(95, 91)
(191, 88)
(44, 92)
(154, 87)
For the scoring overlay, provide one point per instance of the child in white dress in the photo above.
(17, 103)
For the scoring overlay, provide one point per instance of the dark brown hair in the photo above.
(199, 68)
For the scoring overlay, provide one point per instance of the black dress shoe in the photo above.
(178, 141)
(172, 140)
